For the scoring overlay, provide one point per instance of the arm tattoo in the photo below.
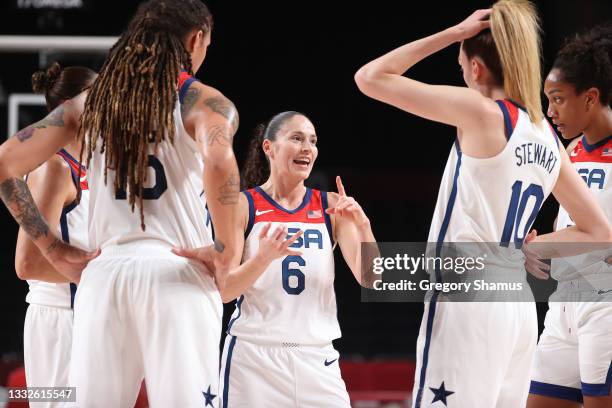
(17, 197)
(220, 134)
(55, 118)
(191, 97)
(53, 245)
(230, 190)
(25, 134)
(225, 108)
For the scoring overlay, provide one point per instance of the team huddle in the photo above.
(138, 225)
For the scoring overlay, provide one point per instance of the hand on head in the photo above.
(475, 23)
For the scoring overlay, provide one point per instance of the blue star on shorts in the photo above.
(440, 394)
(208, 397)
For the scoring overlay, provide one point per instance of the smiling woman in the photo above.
(257, 167)
(287, 285)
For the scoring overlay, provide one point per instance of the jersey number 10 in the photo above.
(516, 210)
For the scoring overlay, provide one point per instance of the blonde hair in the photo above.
(515, 27)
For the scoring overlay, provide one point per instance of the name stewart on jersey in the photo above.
(535, 153)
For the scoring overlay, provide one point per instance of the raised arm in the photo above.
(382, 79)
(352, 228)
(212, 120)
(52, 188)
(22, 153)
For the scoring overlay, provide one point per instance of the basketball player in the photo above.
(47, 330)
(574, 356)
(141, 310)
(279, 352)
(480, 354)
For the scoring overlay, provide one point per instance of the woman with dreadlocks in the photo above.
(140, 309)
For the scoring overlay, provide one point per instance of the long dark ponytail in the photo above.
(257, 168)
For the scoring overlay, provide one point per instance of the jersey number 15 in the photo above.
(150, 193)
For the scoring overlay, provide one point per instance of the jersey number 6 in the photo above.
(288, 272)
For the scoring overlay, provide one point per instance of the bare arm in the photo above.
(23, 153)
(52, 188)
(382, 79)
(272, 245)
(591, 223)
(213, 120)
(352, 228)
(240, 278)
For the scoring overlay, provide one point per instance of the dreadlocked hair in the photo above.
(131, 103)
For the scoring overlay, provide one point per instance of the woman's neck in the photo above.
(493, 92)
(600, 127)
(289, 193)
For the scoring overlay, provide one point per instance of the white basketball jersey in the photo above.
(497, 199)
(174, 209)
(73, 230)
(594, 164)
(293, 301)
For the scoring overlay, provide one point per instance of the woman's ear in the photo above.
(267, 147)
(591, 97)
(478, 69)
(194, 37)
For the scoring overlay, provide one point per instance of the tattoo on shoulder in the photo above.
(191, 97)
(224, 107)
(16, 195)
(55, 118)
(229, 192)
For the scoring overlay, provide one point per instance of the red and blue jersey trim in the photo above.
(77, 170)
(79, 176)
(185, 81)
(511, 109)
(511, 113)
(263, 208)
(600, 152)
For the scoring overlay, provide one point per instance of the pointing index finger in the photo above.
(341, 190)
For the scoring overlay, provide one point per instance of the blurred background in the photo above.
(272, 56)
